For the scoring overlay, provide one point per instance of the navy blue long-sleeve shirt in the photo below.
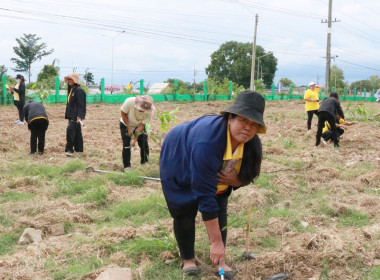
(191, 156)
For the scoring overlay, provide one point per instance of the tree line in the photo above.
(230, 62)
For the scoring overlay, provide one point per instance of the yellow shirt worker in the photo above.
(312, 103)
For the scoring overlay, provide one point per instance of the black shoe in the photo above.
(317, 144)
(336, 145)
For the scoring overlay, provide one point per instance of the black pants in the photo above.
(322, 117)
(74, 138)
(184, 226)
(142, 141)
(20, 107)
(38, 129)
(328, 134)
(310, 117)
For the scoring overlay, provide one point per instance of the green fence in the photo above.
(120, 98)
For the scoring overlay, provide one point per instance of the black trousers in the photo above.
(38, 129)
(20, 107)
(74, 138)
(184, 226)
(142, 141)
(310, 117)
(322, 117)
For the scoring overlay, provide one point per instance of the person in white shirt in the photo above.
(136, 112)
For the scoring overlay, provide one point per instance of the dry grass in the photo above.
(336, 191)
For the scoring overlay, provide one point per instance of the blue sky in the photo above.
(170, 39)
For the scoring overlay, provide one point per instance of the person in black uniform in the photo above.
(75, 113)
(18, 92)
(328, 111)
(38, 122)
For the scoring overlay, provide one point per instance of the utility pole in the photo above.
(251, 86)
(328, 47)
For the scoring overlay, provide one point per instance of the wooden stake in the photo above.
(250, 202)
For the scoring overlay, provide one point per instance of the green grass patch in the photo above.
(374, 273)
(151, 246)
(126, 179)
(279, 213)
(71, 188)
(7, 241)
(347, 217)
(160, 270)
(264, 181)
(147, 210)
(16, 196)
(76, 267)
(22, 169)
(288, 143)
(4, 219)
(350, 217)
(96, 195)
(268, 242)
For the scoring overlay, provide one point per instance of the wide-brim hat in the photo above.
(249, 105)
(144, 103)
(74, 77)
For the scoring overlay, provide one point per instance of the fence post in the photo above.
(373, 94)
(333, 89)
(354, 94)
(273, 88)
(56, 89)
(142, 87)
(102, 90)
(4, 80)
(365, 94)
(230, 90)
(175, 89)
(320, 94)
(205, 90)
(291, 91)
(344, 94)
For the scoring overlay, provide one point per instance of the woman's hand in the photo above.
(229, 178)
(217, 252)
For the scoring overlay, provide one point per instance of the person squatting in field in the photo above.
(340, 123)
(201, 163)
(75, 113)
(18, 92)
(329, 109)
(312, 103)
(38, 122)
(136, 113)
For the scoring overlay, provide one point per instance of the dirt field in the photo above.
(317, 209)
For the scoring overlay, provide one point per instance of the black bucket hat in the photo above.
(249, 105)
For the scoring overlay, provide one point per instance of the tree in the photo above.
(286, 82)
(361, 85)
(233, 61)
(3, 70)
(28, 51)
(89, 78)
(375, 81)
(337, 79)
(48, 72)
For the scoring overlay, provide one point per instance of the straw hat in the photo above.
(74, 77)
(249, 105)
(144, 103)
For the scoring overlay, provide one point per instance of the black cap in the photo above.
(19, 76)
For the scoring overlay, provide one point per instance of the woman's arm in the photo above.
(217, 250)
